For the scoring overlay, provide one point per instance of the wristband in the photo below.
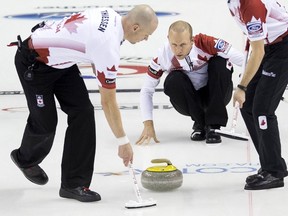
(243, 88)
(122, 140)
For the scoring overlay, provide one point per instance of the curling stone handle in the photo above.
(161, 160)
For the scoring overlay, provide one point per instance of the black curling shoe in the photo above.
(212, 137)
(198, 135)
(81, 194)
(263, 180)
(34, 174)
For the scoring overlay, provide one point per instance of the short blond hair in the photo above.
(181, 26)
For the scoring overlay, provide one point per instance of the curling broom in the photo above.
(232, 134)
(140, 203)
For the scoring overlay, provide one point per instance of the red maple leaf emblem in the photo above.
(203, 58)
(155, 60)
(112, 68)
(106, 83)
(101, 76)
(263, 122)
(71, 23)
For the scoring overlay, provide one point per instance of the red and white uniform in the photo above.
(86, 37)
(265, 20)
(195, 65)
(268, 21)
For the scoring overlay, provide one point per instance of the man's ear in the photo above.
(192, 39)
(168, 37)
(135, 27)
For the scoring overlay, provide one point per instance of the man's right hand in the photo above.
(126, 153)
(147, 133)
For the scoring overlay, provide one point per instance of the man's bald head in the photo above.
(181, 26)
(139, 23)
(143, 15)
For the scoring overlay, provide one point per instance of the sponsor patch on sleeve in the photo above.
(255, 29)
(154, 73)
(105, 82)
(222, 46)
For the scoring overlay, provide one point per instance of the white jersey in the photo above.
(260, 19)
(195, 65)
(93, 36)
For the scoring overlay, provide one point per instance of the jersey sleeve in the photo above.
(254, 15)
(106, 65)
(211, 45)
(155, 69)
(146, 97)
(154, 72)
(234, 56)
(217, 46)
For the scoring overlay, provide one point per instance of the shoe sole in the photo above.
(198, 139)
(31, 180)
(276, 184)
(214, 142)
(69, 195)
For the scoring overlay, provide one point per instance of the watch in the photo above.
(243, 88)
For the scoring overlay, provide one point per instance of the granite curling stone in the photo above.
(162, 178)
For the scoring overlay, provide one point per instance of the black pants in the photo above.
(41, 86)
(206, 106)
(263, 96)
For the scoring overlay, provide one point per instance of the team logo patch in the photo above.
(40, 101)
(255, 29)
(262, 120)
(222, 46)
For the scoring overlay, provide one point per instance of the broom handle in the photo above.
(236, 109)
(135, 184)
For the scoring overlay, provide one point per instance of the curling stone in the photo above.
(161, 178)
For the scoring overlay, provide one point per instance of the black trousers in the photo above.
(41, 85)
(206, 106)
(263, 96)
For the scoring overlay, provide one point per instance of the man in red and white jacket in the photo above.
(46, 63)
(199, 81)
(265, 22)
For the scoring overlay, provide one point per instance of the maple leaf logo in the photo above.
(112, 68)
(71, 23)
(105, 83)
(263, 122)
(203, 58)
(155, 60)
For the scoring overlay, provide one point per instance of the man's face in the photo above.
(180, 43)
